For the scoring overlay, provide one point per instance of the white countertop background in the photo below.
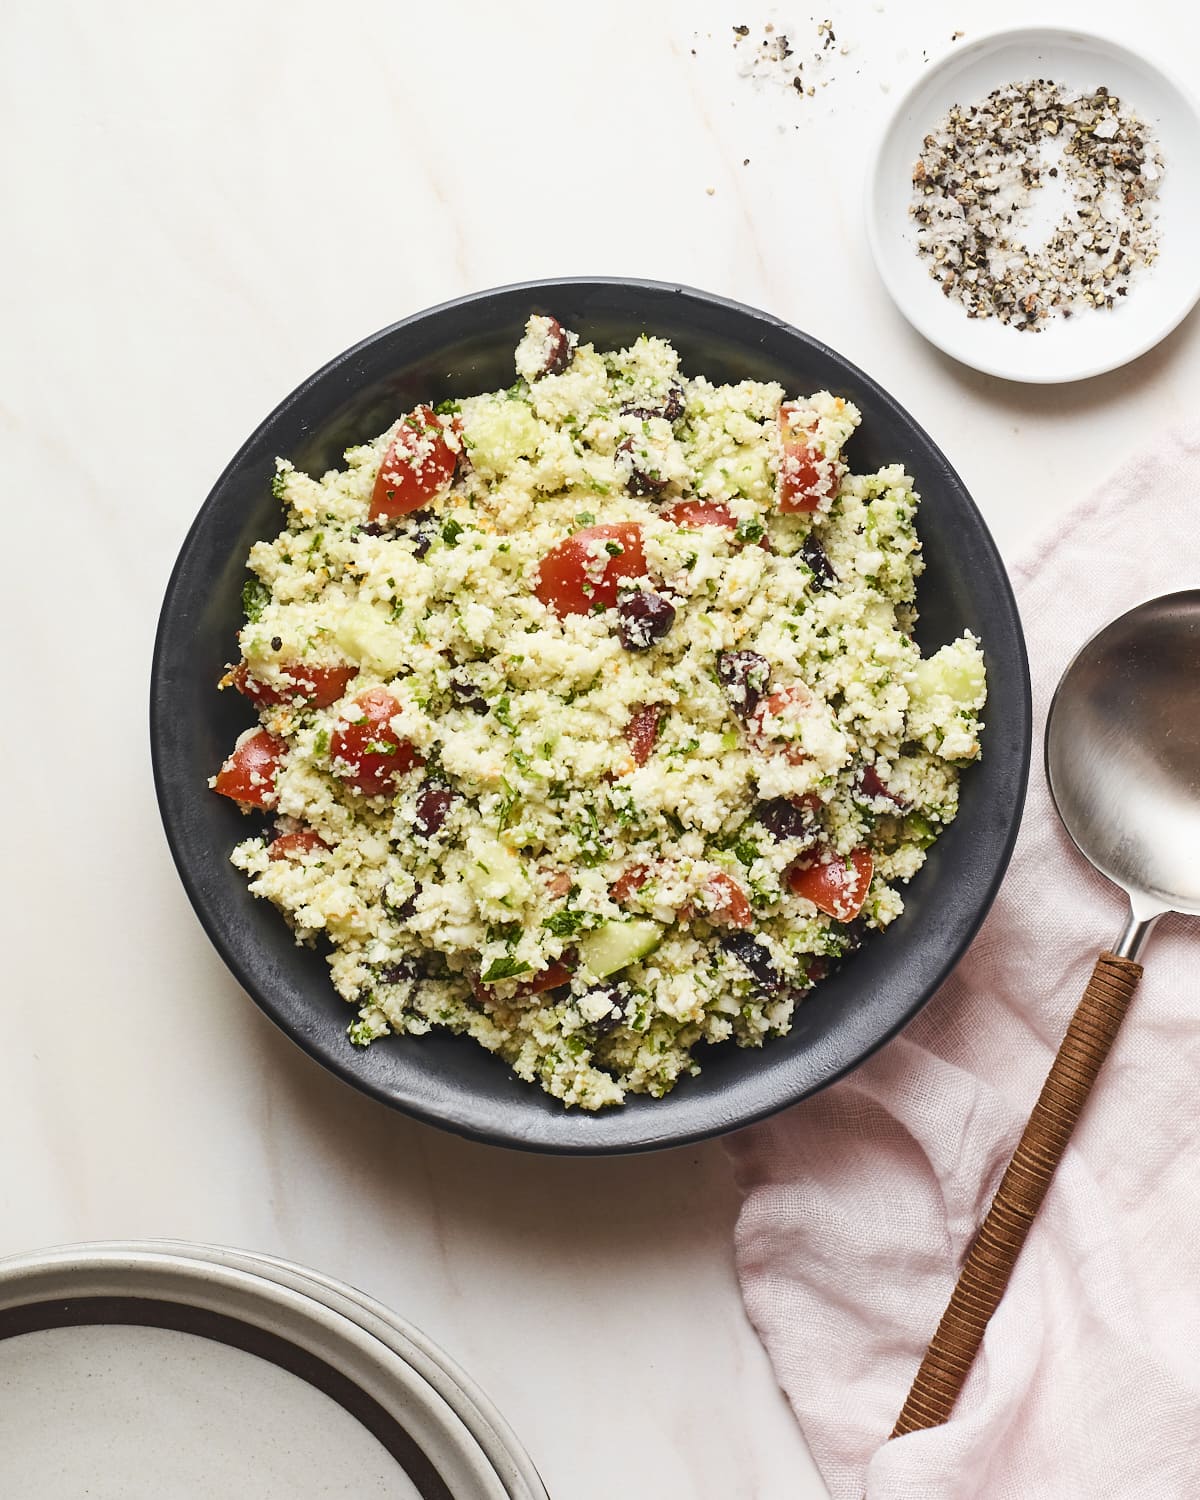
(203, 204)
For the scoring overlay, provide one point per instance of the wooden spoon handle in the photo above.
(993, 1255)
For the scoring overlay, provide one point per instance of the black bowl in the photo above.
(457, 349)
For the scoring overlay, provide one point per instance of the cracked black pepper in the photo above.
(976, 187)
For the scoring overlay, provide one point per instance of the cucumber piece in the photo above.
(498, 433)
(368, 638)
(615, 945)
(493, 872)
(955, 672)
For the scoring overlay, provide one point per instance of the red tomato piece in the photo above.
(583, 571)
(248, 775)
(805, 478)
(296, 845)
(368, 752)
(550, 978)
(724, 902)
(834, 885)
(418, 465)
(557, 882)
(706, 513)
(642, 731)
(316, 686)
(700, 513)
(629, 881)
(784, 706)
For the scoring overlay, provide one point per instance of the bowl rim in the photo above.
(442, 1112)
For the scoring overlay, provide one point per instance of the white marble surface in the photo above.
(203, 203)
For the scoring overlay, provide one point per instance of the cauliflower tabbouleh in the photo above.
(591, 718)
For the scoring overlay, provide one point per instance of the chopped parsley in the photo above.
(504, 968)
(255, 598)
(510, 800)
(566, 923)
(749, 530)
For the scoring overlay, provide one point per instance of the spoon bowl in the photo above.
(1123, 753)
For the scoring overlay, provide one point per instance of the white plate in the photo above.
(1159, 297)
(132, 1371)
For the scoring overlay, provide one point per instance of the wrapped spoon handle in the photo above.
(989, 1264)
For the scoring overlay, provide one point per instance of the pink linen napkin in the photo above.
(861, 1203)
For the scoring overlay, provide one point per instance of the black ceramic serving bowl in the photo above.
(458, 349)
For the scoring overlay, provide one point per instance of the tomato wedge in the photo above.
(550, 978)
(248, 775)
(583, 572)
(629, 881)
(834, 885)
(641, 732)
(700, 513)
(724, 902)
(707, 513)
(316, 686)
(418, 465)
(296, 845)
(805, 477)
(774, 722)
(368, 752)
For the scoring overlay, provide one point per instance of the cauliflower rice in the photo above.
(660, 751)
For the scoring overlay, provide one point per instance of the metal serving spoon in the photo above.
(1123, 761)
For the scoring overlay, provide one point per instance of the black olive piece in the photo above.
(403, 972)
(370, 528)
(786, 819)
(424, 527)
(407, 910)
(853, 933)
(615, 1017)
(870, 785)
(673, 408)
(745, 676)
(276, 643)
(643, 620)
(559, 349)
(670, 411)
(754, 958)
(467, 694)
(434, 801)
(814, 555)
(640, 482)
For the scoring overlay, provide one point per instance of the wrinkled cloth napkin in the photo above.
(861, 1203)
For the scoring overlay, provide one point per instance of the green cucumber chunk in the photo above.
(616, 945)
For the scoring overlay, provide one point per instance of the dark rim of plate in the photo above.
(153, 1312)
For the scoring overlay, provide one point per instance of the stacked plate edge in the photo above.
(128, 1366)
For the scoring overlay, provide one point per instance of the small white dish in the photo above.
(1160, 296)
